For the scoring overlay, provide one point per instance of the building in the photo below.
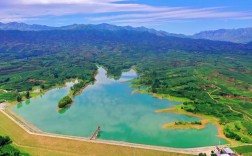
(228, 151)
(224, 151)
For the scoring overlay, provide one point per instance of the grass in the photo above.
(41, 145)
(246, 150)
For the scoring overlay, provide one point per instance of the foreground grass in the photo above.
(41, 145)
(246, 150)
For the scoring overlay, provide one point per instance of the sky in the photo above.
(174, 16)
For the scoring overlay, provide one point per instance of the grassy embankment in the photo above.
(246, 150)
(42, 145)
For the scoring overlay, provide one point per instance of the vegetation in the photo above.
(216, 85)
(27, 95)
(19, 98)
(246, 150)
(214, 77)
(64, 102)
(6, 148)
(185, 123)
(77, 88)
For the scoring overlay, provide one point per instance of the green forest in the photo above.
(215, 77)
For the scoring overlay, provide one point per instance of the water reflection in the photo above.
(64, 110)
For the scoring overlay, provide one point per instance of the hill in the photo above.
(242, 35)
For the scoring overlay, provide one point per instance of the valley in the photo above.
(211, 79)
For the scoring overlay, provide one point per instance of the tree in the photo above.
(4, 140)
(19, 98)
(42, 86)
(202, 154)
(27, 95)
(64, 102)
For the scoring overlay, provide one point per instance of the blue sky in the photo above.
(175, 16)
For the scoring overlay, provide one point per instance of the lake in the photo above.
(122, 115)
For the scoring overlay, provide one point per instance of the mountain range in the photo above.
(242, 35)
(103, 26)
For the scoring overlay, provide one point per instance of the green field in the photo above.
(246, 150)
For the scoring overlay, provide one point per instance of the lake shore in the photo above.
(177, 109)
(160, 96)
(56, 134)
(204, 118)
(34, 132)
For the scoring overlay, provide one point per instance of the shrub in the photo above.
(64, 101)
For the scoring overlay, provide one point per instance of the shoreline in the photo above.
(29, 128)
(32, 130)
(85, 86)
(207, 120)
(160, 96)
(177, 109)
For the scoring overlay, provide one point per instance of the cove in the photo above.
(123, 116)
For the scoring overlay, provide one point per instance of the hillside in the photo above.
(242, 35)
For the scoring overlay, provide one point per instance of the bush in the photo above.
(4, 140)
(64, 101)
(19, 98)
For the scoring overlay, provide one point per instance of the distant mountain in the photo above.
(69, 38)
(23, 27)
(242, 35)
(103, 26)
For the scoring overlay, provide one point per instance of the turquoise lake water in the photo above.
(123, 116)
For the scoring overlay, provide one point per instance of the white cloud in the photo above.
(23, 10)
(37, 2)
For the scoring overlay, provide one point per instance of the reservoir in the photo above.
(122, 115)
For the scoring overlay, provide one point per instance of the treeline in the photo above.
(185, 123)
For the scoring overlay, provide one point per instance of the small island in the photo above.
(186, 125)
(64, 102)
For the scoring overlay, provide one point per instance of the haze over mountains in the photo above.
(242, 35)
